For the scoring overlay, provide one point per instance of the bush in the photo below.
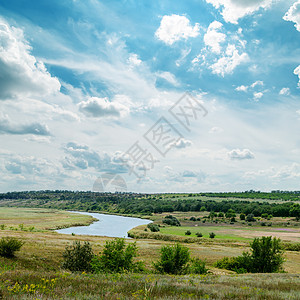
(188, 232)
(198, 267)
(236, 264)
(78, 257)
(250, 218)
(116, 258)
(171, 220)
(9, 245)
(173, 259)
(242, 216)
(212, 235)
(193, 219)
(232, 220)
(153, 227)
(266, 257)
(199, 234)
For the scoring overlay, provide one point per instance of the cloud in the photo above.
(6, 127)
(168, 77)
(227, 63)
(257, 96)
(242, 88)
(256, 83)
(216, 130)
(102, 107)
(233, 10)
(213, 38)
(21, 74)
(285, 91)
(174, 28)
(182, 143)
(286, 172)
(293, 14)
(29, 165)
(82, 157)
(297, 72)
(237, 154)
(189, 174)
(134, 60)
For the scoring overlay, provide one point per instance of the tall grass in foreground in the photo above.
(63, 285)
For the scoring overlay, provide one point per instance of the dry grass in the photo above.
(41, 219)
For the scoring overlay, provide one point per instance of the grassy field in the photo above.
(40, 219)
(36, 273)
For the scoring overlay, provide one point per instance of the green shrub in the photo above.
(199, 234)
(78, 257)
(9, 245)
(153, 227)
(291, 246)
(198, 267)
(173, 259)
(212, 235)
(188, 232)
(116, 258)
(250, 218)
(193, 219)
(242, 216)
(266, 257)
(171, 220)
(236, 264)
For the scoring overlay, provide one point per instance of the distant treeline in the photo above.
(130, 203)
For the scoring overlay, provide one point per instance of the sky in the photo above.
(149, 96)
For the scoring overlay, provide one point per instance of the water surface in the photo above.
(107, 225)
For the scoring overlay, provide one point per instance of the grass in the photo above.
(62, 285)
(35, 272)
(205, 230)
(14, 218)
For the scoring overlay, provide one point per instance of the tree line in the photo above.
(145, 204)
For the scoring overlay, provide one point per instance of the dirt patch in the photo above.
(285, 236)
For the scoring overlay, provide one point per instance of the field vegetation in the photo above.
(38, 269)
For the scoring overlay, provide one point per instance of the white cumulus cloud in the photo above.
(285, 91)
(173, 28)
(21, 74)
(293, 14)
(238, 154)
(242, 88)
(182, 143)
(213, 38)
(257, 96)
(102, 107)
(233, 10)
(227, 63)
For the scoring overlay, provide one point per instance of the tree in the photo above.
(212, 235)
(116, 257)
(295, 211)
(173, 259)
(267, 255)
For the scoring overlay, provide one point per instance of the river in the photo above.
(107, 225)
